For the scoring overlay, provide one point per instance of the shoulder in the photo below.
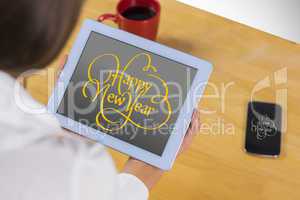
(22, 119)
(67, 168)
(87, 165)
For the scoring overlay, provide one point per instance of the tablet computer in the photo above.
(129, 93)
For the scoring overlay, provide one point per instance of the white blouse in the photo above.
(36, 163)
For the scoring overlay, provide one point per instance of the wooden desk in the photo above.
(216, 167)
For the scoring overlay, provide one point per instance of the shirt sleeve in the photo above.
(131, 188)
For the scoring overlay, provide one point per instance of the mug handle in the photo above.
(108, 16)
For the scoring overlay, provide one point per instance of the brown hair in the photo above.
(32, 32)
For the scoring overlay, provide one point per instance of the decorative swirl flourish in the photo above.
(127, 101)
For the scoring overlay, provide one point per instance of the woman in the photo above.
(38, 160)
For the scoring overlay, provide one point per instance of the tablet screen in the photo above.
(127, 92)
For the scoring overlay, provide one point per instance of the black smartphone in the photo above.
(263, 133)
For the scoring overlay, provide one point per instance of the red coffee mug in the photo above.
(146, 28)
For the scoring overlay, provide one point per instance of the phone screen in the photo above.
(263, 133)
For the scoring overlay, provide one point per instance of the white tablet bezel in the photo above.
(172, 147)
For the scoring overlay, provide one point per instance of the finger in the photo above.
(197, 121)
(61, 65)
(192, 130)
(195, 124)
(63, 61)
(190, 134)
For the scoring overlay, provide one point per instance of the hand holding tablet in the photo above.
(129, 93)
